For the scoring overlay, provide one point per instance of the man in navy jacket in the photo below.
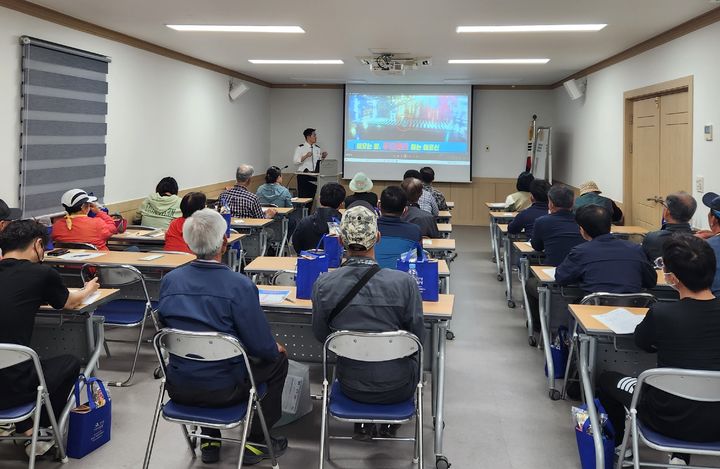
(206, 295)
(525, 220)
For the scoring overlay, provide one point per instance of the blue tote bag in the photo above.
(333, 250)
(90, 423)
(423, 270)
(310, 265)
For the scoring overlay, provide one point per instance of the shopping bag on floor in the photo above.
(90, 423)
(423, 270)
(584, 436)
(296, 401)
(310, 265)
(559, 353)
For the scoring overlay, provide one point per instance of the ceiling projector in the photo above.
(394, 64)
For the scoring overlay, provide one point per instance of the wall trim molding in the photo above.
(62, 19)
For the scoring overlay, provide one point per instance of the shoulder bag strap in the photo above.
(353, 292)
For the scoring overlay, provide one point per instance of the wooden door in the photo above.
(675, 144)
(646, 163)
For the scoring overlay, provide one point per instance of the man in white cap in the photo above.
(386, 300)
(84, 222)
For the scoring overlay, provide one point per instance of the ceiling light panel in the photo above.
(237, 28)
(296, 62)
(537, 28)
(498, 61)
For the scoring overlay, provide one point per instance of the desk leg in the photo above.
(439, 406)
(498, 254)
(507, 257)
(587, 344)
(524, 269)
(263, 241)
(493, 248)
(434, 366)
(544, 297)
(285, 229)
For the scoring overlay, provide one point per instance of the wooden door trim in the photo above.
(667, 87)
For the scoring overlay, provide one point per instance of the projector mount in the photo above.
(394, 64)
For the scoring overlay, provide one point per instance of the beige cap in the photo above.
(589, 186)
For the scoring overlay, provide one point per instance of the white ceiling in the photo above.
(347, 29)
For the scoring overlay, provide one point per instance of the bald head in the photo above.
(680, 207)
(244, 173)
(413, 189)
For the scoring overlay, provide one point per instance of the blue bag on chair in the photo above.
(424, 270)
(310, 265)
(90, 423)
(333, 250)
(584, 437)
(559, 352)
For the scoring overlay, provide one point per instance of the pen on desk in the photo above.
(288, 299)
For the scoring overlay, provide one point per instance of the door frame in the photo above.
(667, 87)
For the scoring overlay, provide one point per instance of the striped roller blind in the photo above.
(63, 114)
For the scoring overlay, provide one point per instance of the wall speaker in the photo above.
(575, 89)
(237, 90)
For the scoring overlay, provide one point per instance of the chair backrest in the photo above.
(637, 300)
(88, 246)
(284, 278)
(696, 385)
(389, 249)
(372, 346)
(14, 354)
(114, 276)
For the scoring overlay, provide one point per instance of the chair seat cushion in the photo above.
(16, 412)
(343, 407)
(656, 438)
(217, 415)
(122, 312)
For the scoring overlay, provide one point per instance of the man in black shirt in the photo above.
(685, 334)
(311, 229)
(27, 285)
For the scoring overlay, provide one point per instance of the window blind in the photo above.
(63, 117)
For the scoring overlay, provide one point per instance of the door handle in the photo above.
(656, 199)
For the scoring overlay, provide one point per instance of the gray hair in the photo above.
(244, 173)
(681, 206)
(204, 232)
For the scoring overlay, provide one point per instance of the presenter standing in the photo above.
(307, 158)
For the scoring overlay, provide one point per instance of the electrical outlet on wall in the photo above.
(699, 184)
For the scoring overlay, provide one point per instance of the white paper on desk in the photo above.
(620, 320)
(80, 256)
(530, 244)
(155, 234)
(550, 272)
(427, 242)
(90, 299)
(273, 297)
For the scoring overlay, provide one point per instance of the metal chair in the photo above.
(633, 300)
(371, 347)
(206, 347)
(10, 355)
(695, 385)
(126, 312)
(284, 278)
(87, 246)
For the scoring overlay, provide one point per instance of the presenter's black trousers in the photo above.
(306, 186)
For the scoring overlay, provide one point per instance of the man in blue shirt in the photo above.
(525, 220)
(206, 295)
(397, 235)
(712, 201)
(555, 234)
(605, 263)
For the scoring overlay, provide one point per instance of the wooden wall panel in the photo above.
(463, 196)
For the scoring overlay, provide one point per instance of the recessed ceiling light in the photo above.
(498, 61)
(537, 28)
(296, 62)
(236, 29)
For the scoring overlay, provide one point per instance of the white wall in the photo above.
(165, 118)
(589, 132)
(500, 120)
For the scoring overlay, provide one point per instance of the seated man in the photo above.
(426, 201)
(424, 220)
(712, 201)
(605, 263)
(555, 235)
(525, 220)
(520, 200)
(8, 214)
(27, 284)
(311, 229)
(389, 301)
(398, 236)
(427, 175)
(241, 202)
(84, 221)
(678, 210)
(206, 295)
(590, 195)
(684, 334)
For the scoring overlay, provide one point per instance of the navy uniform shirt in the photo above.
(653, 242)
(607, 264)
(556, 234)
(525, 220)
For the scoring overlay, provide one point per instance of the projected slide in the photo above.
(389, 132)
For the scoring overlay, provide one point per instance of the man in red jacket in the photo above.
(79, 226)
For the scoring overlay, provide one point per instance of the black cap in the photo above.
(7, 213)
(712, 201)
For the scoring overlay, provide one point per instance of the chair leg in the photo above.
(128, 381)
(623, 446)
(190, 442)
(571, 355)
(57, 431)
(107, 349)
(153, 428)
(36, 427)
(420, 441)
(636, 452)
(246, 427)
(266, 432)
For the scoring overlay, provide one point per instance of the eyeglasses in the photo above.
(659, 263)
